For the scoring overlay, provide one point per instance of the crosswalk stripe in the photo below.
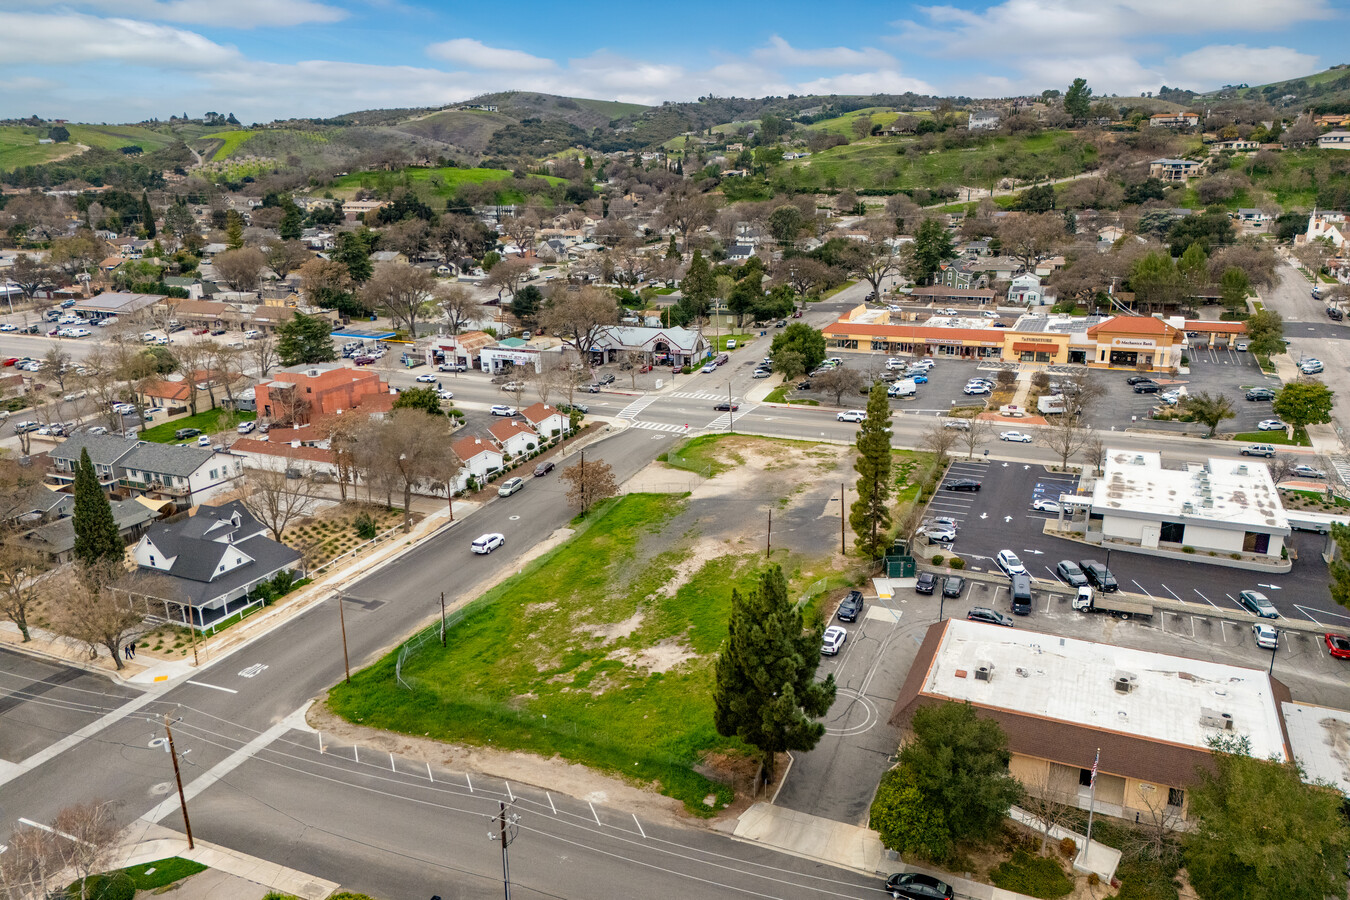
(631, 410)
(698, 395)
(658, 426)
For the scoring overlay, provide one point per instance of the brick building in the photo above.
(297, 394)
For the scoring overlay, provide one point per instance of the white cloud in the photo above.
(30, 38)
(884, 82)
(1217, 64)
(780, 53)
(477, 55)
(225, 13)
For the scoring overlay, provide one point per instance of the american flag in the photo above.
(1096, 759)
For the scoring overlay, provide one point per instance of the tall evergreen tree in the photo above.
(96, 535)
(932, 247)
(304, 339)
(870, 516)
(698, 285)
(147, 215)
(234, 230)
(766, 692)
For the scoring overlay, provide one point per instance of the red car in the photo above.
(202, 331)
(11, 361)
(364, 360)
(1339, 645)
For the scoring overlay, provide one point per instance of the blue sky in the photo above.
(126, 60)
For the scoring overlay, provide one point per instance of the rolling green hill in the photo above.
(427, 183)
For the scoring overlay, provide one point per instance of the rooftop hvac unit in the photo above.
(1211, 719)
(984, 671)
(1125, 682)
(1240, 470)
(1188, 508)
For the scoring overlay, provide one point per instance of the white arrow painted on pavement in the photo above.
(1007, 518)
(1273, 587)
(1024, 468)
(1005, 465)
(1034, 552)
(984, 515)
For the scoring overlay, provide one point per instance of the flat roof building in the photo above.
(1061, 700)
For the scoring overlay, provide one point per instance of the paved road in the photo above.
(1311, 333)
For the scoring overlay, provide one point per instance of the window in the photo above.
(1085, 778)
(1173, 532)
(1176, 797)
(152, 559)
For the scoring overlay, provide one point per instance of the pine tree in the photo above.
(698, 285)
(870, 517)
(147, 215)
(96, 535)
(234, 230)
(766, 693)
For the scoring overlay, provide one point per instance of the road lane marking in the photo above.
(550, 802)
(50, 830)
(639, 825)
(596, 814)
(214, 687)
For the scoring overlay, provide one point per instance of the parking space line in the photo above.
(1172, 592)
(1193, 618)
(1309, 614)
(1206, 599)
(1054, 574)
(1142, 588)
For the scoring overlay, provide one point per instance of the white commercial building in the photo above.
(1221, 507)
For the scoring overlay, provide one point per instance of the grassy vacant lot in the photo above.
(722, 339)
(600, 652)
(1274, 437)
(208, 422)
(113, 137)
(895, 164)
(437, 182)
(19, 147)
(844, 124)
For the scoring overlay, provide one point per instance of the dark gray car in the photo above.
(1072, 575)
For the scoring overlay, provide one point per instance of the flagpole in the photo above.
(1092, 804)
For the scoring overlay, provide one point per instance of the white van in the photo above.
(903, 388)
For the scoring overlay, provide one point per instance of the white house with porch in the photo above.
(668, 346)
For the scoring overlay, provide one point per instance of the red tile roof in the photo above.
(1133, 325)
(466, 448)
(504, 431)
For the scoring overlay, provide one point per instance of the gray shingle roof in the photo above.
(104, 449)
(59, 536)
(166, 459)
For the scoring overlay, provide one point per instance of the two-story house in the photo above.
(1173, 170)
(213, 559)
(185, 475)
(105, 452)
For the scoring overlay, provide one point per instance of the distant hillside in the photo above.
(1323, 92)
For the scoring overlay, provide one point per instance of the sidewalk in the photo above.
(230, 876)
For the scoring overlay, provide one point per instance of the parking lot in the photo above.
(1000, 517)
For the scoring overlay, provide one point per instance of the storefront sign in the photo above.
(1134, 342)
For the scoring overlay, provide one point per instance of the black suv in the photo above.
(1334, 314)
(607, 378)
(851, 608)
(926, 583)
(1260, 394)
(917, 886)
(1147, 387)
(1137, 379)
(1100, 576)
(184, 433)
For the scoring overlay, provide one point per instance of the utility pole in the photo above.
(731, 411)
(507, 828)
(768, 538)
(342, 620)
(178, 777)
(192, 631)
(843, 547)
(442, 619)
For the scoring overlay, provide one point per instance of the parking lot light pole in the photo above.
(1270, 672)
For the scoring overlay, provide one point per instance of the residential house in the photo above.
(1253, 218)
(1234, 146)
(740, 252)
(515, 437)
(193, 286)
(105, 452)
(1110, 234)
(960, 274)
(185, 475)
(1174, 120)
(1334, 140)
(1329, 225)
(214, 560)
(296, 394)
(277, 456)
(982, 119)
(1173, 170)
(56, 538)
(1026, 290)
(169, 394)
(1332, 120)
(546, 420)
(388, 256)
(481, 457)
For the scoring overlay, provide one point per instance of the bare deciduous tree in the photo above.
(241, 269)
(588, 483)
(1094, 451)
(1065, 435)
(939, 441)
(414, 447)
(976, 433)
(86, 606)
(839, 381)
(507, 275)
(29, 864)
(580, 317)
(90, 834)
(276, 501)
(459, 305)
(404, 291)
(20, 590)
(284, 257)
(262, 353)
(1051, 803)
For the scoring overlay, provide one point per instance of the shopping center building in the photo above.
(1121, 342)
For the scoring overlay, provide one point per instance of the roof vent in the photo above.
(1022, 672)
(1211, 719)
(984, 671)
(1240, 470)
(1125, 682)
(1188, 508)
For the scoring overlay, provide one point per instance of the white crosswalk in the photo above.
(724, 421)
(631, 410)
(659, 426)
(698, 395)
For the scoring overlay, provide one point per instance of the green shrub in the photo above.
(365, 525)
(1035, 876)
(282, 583)
(1187, 549)
(115, 886)
(957, 563)
(937, 559)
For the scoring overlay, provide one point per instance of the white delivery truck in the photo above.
(1050, 405)
(903, 388)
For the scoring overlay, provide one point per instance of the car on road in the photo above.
(781, 323)
(1303, 471)
(1270, 425)
(9, 327)
(1138, 379)
(594, 388)
(1267, 638)
(1258, 603)
(851, 415)
(426, 378)
(1260, 394)
(451, 367)
(543, 468)
(1009, 563)
(511, 386)
(974, 389)
(850, 607)
(1072, 575)
(1017, 437)
(953, 585)
(962, 484)
(1099, 576)
(989, 616)
(917, 886)
(25, 427)
(510, 486)
(1147, 387)
(246, 427)
(1338, 645)
(98, 429)
(487, 543)
(710, 367)
(1045, 504)
(1266, 450)
(926, 583)
(761, 373)
(958, 424)
(834, 640)
(501, 409)
(724, 406)
(123, 409)
(445, 395)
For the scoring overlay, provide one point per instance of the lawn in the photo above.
(780, 395)
(1274, 437)
(208, 422)
(230, 143)
(443, 181)
(147, 876)
(722, 339)
(600, 652)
